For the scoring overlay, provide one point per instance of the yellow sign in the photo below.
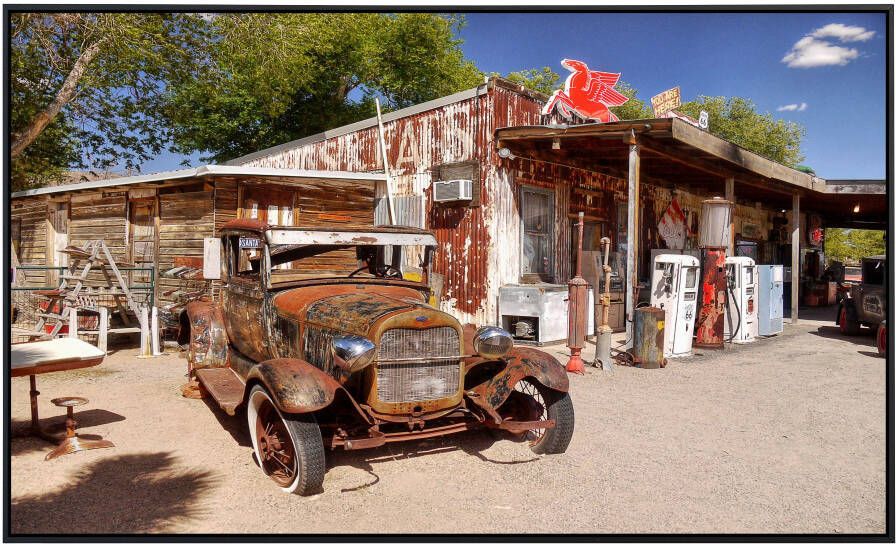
(666, 101)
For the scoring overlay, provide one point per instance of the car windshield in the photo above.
(292, 262)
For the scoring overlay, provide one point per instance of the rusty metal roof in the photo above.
(206, 171)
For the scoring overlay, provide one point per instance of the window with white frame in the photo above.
(537, 211)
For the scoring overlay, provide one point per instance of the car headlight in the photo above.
(353, 352)
(492, 342)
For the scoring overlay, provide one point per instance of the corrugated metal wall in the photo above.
(479, 246)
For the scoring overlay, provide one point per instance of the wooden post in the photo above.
(795, 261)
(729, 196)
(73, 322)
(103, 336)
(631, 246)
(144, 333)
(155, 331)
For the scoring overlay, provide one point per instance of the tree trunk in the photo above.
(24, 138)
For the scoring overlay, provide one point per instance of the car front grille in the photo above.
(418, 364)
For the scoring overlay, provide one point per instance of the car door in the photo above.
(243, 299)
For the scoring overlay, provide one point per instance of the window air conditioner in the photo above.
(453, 190)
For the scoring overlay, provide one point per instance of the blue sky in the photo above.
(838, 72)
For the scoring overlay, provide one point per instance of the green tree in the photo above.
(544, 81)
(88, 86)
(736, 120)
(274, 77)
(849, 245)
(635, 108)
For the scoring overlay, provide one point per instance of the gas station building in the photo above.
(507, 248)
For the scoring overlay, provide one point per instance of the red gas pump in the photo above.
(715, 233)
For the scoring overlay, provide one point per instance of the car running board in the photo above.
(224, 386)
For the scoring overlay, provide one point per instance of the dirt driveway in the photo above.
(785, 435)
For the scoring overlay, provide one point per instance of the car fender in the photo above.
(209, 345)
(520, 363)
(298, 387)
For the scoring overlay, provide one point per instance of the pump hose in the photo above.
(728, 311)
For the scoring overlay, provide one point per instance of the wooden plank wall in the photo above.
(185, 220)
(100, 216)
(321, 205)
(32, 212)
(226, 208)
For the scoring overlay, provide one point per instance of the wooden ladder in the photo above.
(68, 295)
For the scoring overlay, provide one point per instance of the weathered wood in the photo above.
(795, 260)
(102, 339)
(708, 143)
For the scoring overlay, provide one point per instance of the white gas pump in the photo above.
(674, 289)
(741, 323)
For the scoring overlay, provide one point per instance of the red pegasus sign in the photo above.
(588, 94)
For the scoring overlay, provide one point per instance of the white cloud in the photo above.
(844, 33)
(793, 107)
(809, 52)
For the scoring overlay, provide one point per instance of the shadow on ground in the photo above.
(473, 443)
(21, 443)
(134, 493)
(864, 338)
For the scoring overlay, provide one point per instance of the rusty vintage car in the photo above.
(326, 341)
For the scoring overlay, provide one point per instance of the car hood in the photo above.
(353, 309)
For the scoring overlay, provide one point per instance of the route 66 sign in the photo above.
(703, 121)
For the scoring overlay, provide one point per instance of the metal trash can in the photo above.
(649, 332)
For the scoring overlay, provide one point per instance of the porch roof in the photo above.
(206, 171)
(675, 153)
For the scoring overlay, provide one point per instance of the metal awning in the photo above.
(675, 153)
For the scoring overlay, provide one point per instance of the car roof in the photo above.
(256, 225)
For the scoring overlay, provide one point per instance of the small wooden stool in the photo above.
(72, 442)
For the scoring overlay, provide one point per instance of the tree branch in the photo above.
(40, 121)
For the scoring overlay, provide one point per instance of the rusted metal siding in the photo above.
(457, 132)
(479, 246)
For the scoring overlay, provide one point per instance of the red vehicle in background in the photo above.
(853, 274)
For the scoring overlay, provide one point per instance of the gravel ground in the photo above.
(784, 435)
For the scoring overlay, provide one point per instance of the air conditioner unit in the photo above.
(452, 190)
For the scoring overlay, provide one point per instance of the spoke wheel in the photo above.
(289, 447)
(540, 403)
(531, 408)
(276, 452)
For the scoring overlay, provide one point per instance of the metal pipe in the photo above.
(631, 246)
(382, 138)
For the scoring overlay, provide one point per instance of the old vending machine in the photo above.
(673, 288)
(741, 325)
(771, 299)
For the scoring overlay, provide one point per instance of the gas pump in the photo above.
(715, 232)
(673, 288)
(741, 323)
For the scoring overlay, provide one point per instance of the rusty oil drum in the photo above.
(649, 333)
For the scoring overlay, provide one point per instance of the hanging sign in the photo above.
(673, 227)
(587, 94)
(665, 102)
(703, 122)
(814, 232)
